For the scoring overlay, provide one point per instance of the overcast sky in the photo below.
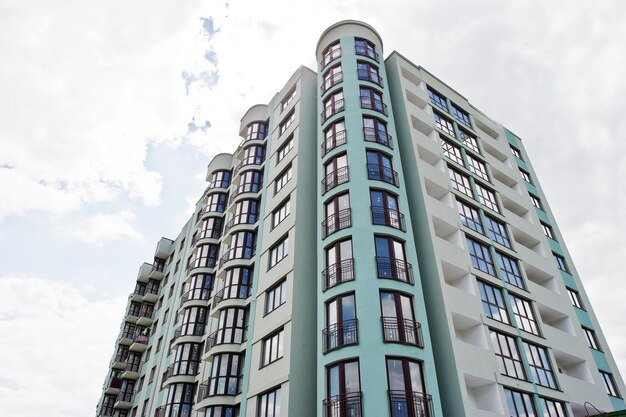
(110, 111)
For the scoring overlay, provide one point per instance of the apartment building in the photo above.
(375, 246)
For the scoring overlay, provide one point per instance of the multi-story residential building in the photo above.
(375, 246)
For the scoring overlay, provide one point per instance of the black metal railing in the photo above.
(410, 404)
(190, 329)
(340, 334)
(238, 252)
(392, 268)
(373, 104)
(333, 108)
(388, 217)
(233, 291)
(338, 176)
(367, 75)
(201, 294)
(346, 405)
(365, 51)
(229, 385)
(334, 79)
(246, 187)
(331, 142)
(243, 218)
(337, 273)
(401, 330)
(336, 221)
(225, 335)
(372, 134)
(208, 262)
(382, 173)
(214, 233)
(327, 59)
(182, 368)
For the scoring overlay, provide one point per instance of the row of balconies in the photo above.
(401, 404)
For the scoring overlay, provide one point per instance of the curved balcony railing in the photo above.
(226, 335)
(234, 291)
(246, 187)
(392, 268)
(327, 59)
(337, 273)
(388, 217)
(337, 221)
(218, 184)
(213, 233)
(251, 160)
(199, 294)
(341, 334)
(179, 368)
(335, 106)
(239, 252)
(220, 385)
(332, 81)
(399, 330)
(336, 139)
(243, 218)
(346, 405)
(370, 76)
(382, 173)
(202, 263)
(410, 404)
(378, 136)
(373, 104)
(365, 51)
(335, 178)
(190, 329)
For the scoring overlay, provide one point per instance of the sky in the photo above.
(110, 111)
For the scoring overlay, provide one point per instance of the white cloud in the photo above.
(102, 228)
(56, 347)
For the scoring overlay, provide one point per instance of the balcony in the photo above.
(334, 107)
(382, 173)
(387, 217)
(249, 161)
(335, 178)
(365, 51)
(332, 81)
(132, 370)
(331, 142)
(410, 404)
(370, 76)
(235, 291)
(196, 294)
(228, 385)
(152, 293)
(124, 400)
(243, 218)
(191, 329)
(330, 57)
(238, 252)
(346, 405)
(201, 263)
(182, 368)
(113, 385)
(246, 187)
(399, 330)
(378, 136)
(140, 342)
(339, 335)
(214, 233)
(337, 273)
(373, 104)
(337, 221)
(392, 268)
(226, 335)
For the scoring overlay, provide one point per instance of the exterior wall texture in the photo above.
(375, 246)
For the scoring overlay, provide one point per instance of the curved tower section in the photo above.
(375, 357)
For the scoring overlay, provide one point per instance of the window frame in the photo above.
(284, 149)
(493, 301)
(509, 360)
(275, 350)
(275, 296)
(283, 178)
(278, 251)
(485, 258)
(281, 212)
(541, 369)
(524, 314)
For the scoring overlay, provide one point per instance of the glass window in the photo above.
(269, 404)
(560, 262)
(469, 217)
(211, 228)
(220, 411)
(336, 172)
(341, 323)
(368, 72)
(253, 155)
(516, 152)
(278, 251)
(385, 209)
(480, 256)
(460, 115)
(372, 99)
(470, 141)
(246, 212)
(493, 302)
(540, 367)
(242, 245)
(536, 202)
(497, 232)
(180, 399)
(226, 373)
(206, 256)
(526, 176)
(380, 168)
(330, 53)
(391, 259)
(237, 284)
(216, 202)
(337, 214)
(256, 131)
(487, 198)
(592, 340)
(364, 47)
(574, 297)
(283, 179)
(507, 354)
(332, 77)
(281, 213)
(334, 136)
(398, 319)
(609, 384)
(478, 168)
(444, 124)
(286, 123)
(231, 327)
(437, 99)
(460, 182)
(524, 315)
(452, 152)
(343, 390)
(276, 296)
(339, 264)
(273, 348)
(284, 149)
(333, 105)
(547, 230)
(220, 179)
(194, 321)
(288, 99)
(552, 408)
(250, 182)
(509, 270)
(375, 130)
(520, 404)
(407, 393)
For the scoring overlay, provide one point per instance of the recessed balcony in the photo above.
(341, 334)
(337, 221)
(399, 330)
(371, 134)
(382, 173)
(335, 178)
(337, 273)
(387, 217)
(346, 405)
(410, 404)
(113, 385)
(392, 268)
